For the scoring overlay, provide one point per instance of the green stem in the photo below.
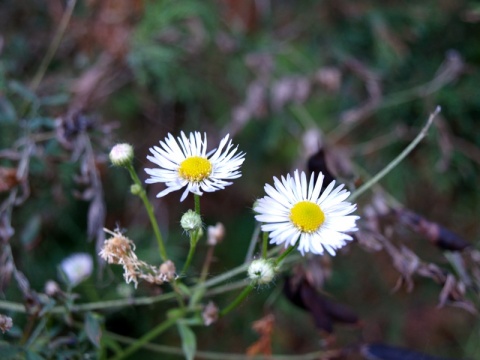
(150, 335)
(197, 204)
(52, 49)
(265, 245)
(238, 300)
(286, 253)
(194, 235)
(397, 160)
(151, 215)
(193, 245)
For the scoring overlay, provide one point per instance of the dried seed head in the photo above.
(168, 270)
(210, 313)
(118, 248)
(6, 323)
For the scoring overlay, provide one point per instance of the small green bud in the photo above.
(191, 221)
(261, 271)
(136, 189)
(121, 155)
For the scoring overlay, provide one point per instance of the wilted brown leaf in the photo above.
(8, 178)
(264, 327)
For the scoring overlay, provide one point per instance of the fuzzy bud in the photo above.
(121, 155)
(191, 221)
(261, 271)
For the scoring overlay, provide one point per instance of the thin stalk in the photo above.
(286, 253)
(237, 300)
(206, 264)
(253, 243)
(191, 252)
(398, 159)
(52, 49)
(197, 204)
(151, 215)
(265, 245)
(164, 349)
(149, 336)
(140, 301)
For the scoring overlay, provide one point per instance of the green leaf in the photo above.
(30, 355)
(189, 340)
(10, 351)
(93, 328)
(21, 90)
(185, 289)
(30, 231)
(7, 111)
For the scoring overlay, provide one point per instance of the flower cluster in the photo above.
(121, 250)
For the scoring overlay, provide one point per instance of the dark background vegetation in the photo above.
(363, 74)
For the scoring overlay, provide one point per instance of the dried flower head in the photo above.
(121, 250)
(168, 270)
(116, 249)
(6, 323)
(210, 313)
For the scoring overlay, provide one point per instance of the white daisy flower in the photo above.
(185, 163)
(296, 209)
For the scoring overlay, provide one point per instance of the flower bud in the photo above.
(52, 288)
(215, 234)
(261, 271)
(191, 221)
(121, 154)
(136, 189)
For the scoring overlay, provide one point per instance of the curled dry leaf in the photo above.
(8, 178)
(437, 234)
(323, 310)
(264, 327)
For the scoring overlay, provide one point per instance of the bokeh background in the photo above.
(357, 79)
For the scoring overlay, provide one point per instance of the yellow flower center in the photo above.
(307, 216)
(195, 168)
